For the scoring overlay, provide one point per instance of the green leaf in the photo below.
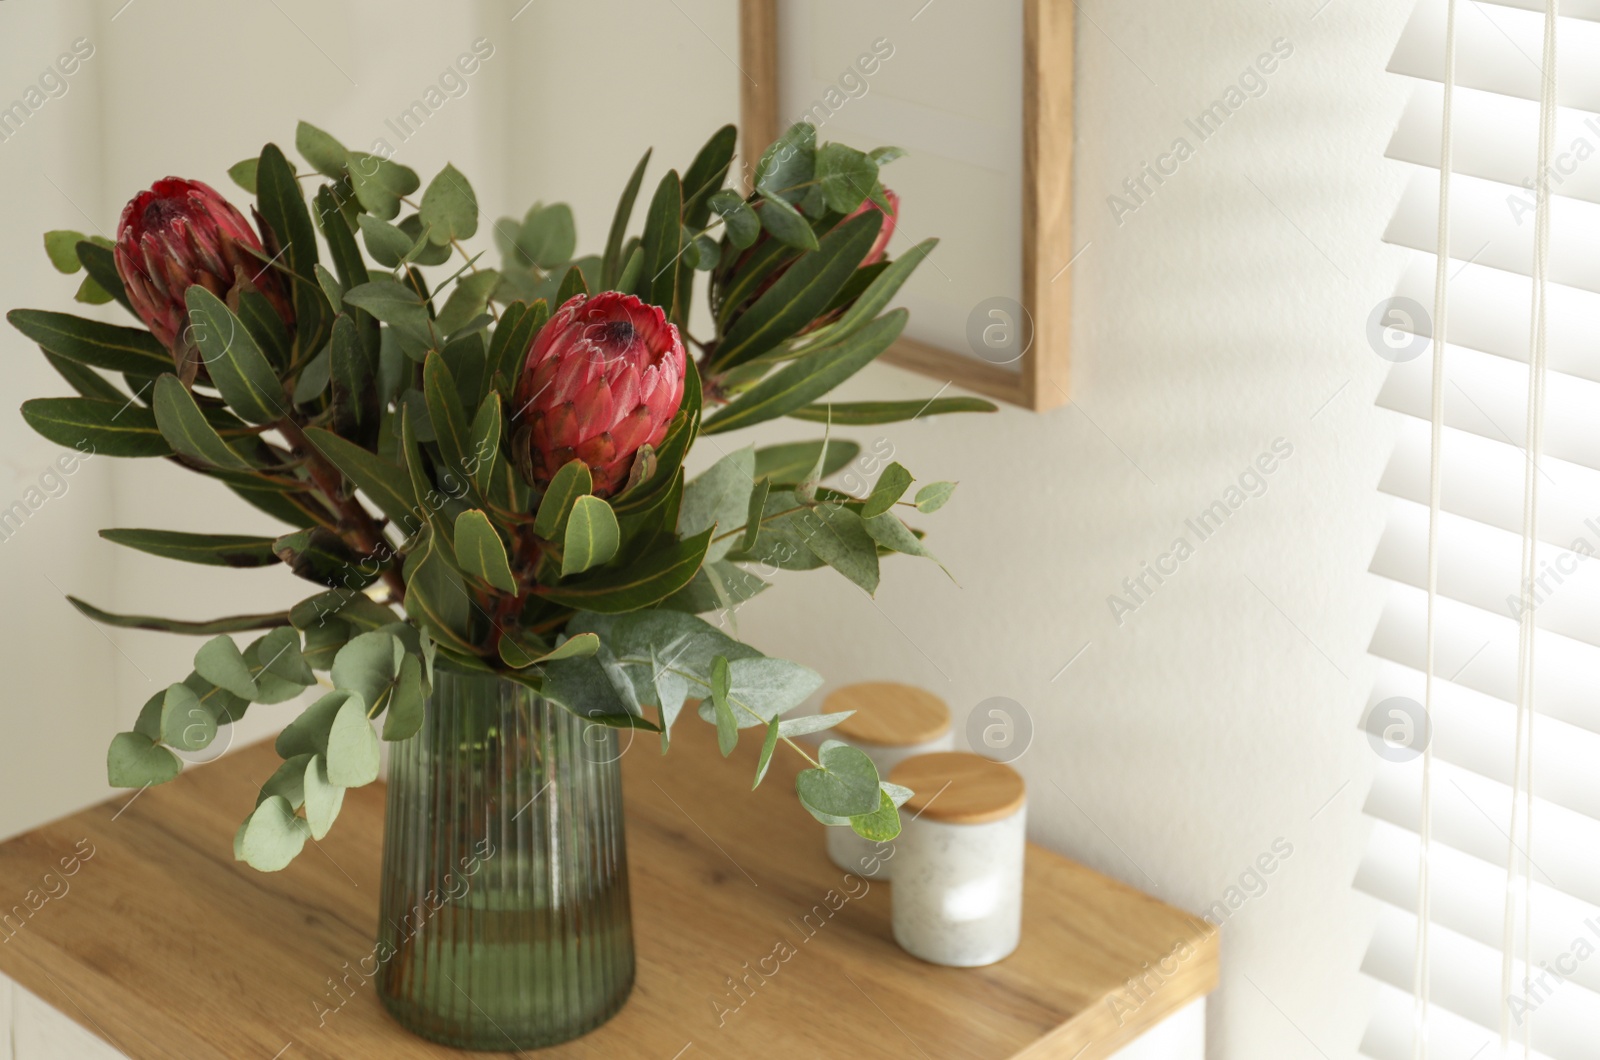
(846, 785)
(785, 465)
(284, 209)
(662, 241)
(436, 598)
(408, 703)
(324, 640)
(786, 224)
(739, 221)
(386, 243)
(244, 174)
(883, 287)
(611, 268)
(706, 175)
(840, 540)
(486, 428)
(235, 363)
(323, 798)
(846, 177)
(397, 305)
(132, 351)
(101, 265)
(727, 724)
(891, 486)
(379, 183)
(888, 531)
(787, 163)
(882, 824)
(468, 300)
(347, 260)
(383, 482)
(61, 246)
(800, 295)
(135, 761)
(281, 671)
(188, 431)
(186, 723)
(220, 662)
(569, 483)
(752, 520)
(449, 207)
(353, 746)
(591, 536)
(572, 285)
(768, 745)
(547, 237)
(105, 428)
(368, 665)
(480, 552)
(807, 724)
(235, 624)
(931, 497)
(449, 421)
(518, 653)
(763, 688)
(719, 497)
(808, 378)
(308, 734)
(629, 280)
(326, 154)
(91, 293)
(649, 581)
(864, 413)
(717, 586)
(288, 782)
(272, 836)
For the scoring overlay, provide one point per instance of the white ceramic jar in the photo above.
(892, 722)
(957, 892)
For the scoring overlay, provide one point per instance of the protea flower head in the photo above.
(180, 233)
(603, 377)
(886, 233)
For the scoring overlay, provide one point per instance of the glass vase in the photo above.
(505, 921)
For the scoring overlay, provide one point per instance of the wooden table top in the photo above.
(166, 947)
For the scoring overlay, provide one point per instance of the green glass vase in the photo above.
(505, 921)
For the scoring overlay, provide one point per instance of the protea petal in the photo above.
(180, 233)
(603, 377)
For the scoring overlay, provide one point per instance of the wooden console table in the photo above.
(159, 945)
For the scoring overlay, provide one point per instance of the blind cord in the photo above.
(1519, 865)
(1420, 979)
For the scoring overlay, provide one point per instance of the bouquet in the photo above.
(481, 469)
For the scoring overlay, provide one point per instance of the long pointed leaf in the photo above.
(235, 363)
(116, 349)
(215, 550)
(205, 628)
(188, 431)
(643, 584)
(111, 428)
(611, 267)
(808, 378)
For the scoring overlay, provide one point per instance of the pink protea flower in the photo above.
(602, 378)
(180, 233)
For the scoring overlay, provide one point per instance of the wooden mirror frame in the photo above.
(1042, 382)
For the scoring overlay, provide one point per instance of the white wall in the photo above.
(1225, 313)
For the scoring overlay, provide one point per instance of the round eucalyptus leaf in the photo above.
(353, 747)
(136, 761)
(322, 798)
(273, 835)
(845, 786)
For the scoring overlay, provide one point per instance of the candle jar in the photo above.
(957, 893)
(892, 722)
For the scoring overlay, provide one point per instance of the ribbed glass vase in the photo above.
(505, 921)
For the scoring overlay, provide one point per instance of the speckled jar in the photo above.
(957, 893)
(892, 722)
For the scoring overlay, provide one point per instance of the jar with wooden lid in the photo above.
(891, 723)
(958, 871)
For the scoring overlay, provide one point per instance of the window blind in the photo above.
(1472, 728)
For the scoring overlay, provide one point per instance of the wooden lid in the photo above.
(957, 787)
(888, 714)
